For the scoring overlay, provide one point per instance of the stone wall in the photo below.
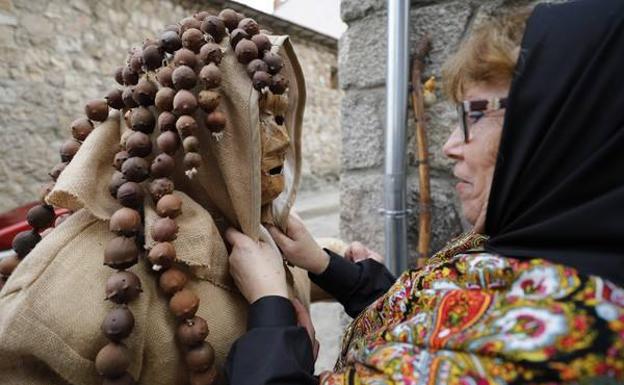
(362, 68)
(57, 54)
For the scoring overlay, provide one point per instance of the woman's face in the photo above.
(476, 159)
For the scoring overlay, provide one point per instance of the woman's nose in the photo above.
(454, 144)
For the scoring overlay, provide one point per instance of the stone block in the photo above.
(360, 219)
(363, 122)
(362, 50)
(356, 9)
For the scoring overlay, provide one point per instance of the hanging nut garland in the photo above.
(168, 84)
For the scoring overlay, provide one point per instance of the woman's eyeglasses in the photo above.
(470, 112)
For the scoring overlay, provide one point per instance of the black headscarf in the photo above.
(558, 188)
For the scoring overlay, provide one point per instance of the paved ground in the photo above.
(320, 212)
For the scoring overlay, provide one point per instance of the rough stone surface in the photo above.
(362, 58)
(361, 199)
(58, 54)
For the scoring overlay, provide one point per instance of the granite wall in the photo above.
(362, 69)
(58, 54)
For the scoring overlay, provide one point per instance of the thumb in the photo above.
(280, 238)
(234, 236)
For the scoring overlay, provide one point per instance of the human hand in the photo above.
(304, 320)
(299, 247)
(257, 269)
(357, 252)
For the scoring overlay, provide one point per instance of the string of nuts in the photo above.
(168, 84)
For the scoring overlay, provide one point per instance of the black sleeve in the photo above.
(274, 350)
(354, 285)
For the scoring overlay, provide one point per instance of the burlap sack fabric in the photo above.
(53, 304)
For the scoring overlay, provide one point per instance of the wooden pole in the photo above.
(424, 225)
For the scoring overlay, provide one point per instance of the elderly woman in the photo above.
(532, 295)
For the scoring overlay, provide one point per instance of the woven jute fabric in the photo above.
(53, 304)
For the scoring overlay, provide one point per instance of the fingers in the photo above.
(233, 236)
(282, 240)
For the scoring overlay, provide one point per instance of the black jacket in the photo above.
(275, 350)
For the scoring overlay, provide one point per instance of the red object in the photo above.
(14, 222)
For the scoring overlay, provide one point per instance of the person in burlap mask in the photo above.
(53, 305)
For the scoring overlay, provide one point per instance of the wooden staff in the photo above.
(424, 226)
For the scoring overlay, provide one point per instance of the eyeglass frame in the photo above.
(468, 106)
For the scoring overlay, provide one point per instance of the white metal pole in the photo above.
(396, 121)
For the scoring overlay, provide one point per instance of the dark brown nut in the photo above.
(162, 166)
(210, 53)
(208, 100)
(193, 39)
(215, 27)
(164, 99)
(236, 36)
(128, 97)
(188, 23)
(172, 281)
(119, 75)
(152, 57)
(185, 57)
(81, 128)
(56, 171)
(160, 187)
(192, 160)
(163, 75)
(256, 65)
(139, 144)
(123, 287)
(169, 206)
(135, 60)
(145, 92)
(230, 18)
(210, 75)
(261, 80)
(186, 126)
(119, 158)
(215, 121)
(207, 377)
(143, 120)
(121, 253)
(131, 194)
(116, 181)
(200, 358)
(184, 78)
(184, 103)
(168, 142)
(274, 61)
(170, 41)
(8, 264)
(125, 221)
(135, 169)
(68, 149)
(164, 230)
(118, 324)
(202, 15)
(162, 256)
(97, 110)
(114, 99)
(40, 217)
(193, 332)
(250, 26)
(184, 304)
(246, 51)
(166, 121)
(130, 77)
(112, 360)
(191, 144)
(24, 242)
(262, 42)
(279, 84)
